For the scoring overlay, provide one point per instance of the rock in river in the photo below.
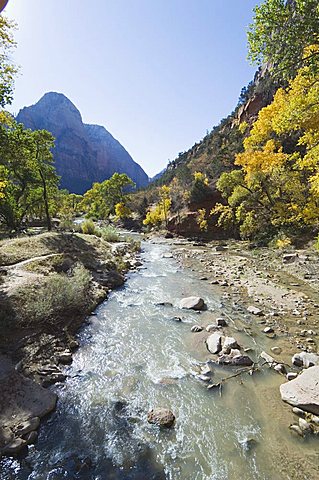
(214, 343)
(303, 392)
(192, 303)
(161, 416)
(305, 359)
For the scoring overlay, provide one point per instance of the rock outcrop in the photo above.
(83, 153)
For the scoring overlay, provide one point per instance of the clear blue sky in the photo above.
(156, 73)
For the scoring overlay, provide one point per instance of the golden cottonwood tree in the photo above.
(277, 187)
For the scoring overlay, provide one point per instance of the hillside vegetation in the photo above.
(255, 175)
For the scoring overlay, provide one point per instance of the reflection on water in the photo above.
(134, 357)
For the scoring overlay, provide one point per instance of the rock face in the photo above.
(303, 392)
(161, 416)
(83, 153)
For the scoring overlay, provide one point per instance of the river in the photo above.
(135, 356)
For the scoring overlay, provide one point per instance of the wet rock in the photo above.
(74, 344)
(269, 359)
(203, 378)
(255, 310)
(65, 357)
(207, 370)
(214, 343)
(192, 303)
(237, 360)
(177, 319)
(248, 444)
(163, 304)
(291, 375)
(28, 426)
(31, 438)
(230, 342)
(196, 328)
(221, 322)
(15, 446)
(276, 350)
(303, 391)
(161, 417)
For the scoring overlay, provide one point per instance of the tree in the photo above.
(280, 32)
(277, 186)
(158, 214)
(100, 200)
(27, 173)
(8, 70)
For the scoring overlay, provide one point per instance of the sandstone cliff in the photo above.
(83, 153)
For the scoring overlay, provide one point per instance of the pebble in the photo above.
(221, 322)
(268, 330)
(297, 429)
(280, 368)
(291, 375)
(196, 328)
(276, 350)
(300, 413)
(304, 425)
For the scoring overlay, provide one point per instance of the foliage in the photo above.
(277, 187)
(88, 227)
(280, 32)
(199, 189)
(109, 234)
(58, 294)
(159, 213)
(100, 200)
(122, 211)
(27, 174)
(201, 219)
(8, 70)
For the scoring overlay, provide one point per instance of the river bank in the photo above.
(50, 283)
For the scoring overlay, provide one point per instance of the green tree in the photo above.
(280, 31)
(100, 200)
(8, 70)
(26, 169)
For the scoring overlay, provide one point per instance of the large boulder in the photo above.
(192, 303)
(303, 392)
(161, 417)
(214, 343)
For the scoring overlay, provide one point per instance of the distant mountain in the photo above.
(83, 153)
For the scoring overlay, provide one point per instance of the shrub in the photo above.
(109, 234)
(88, 227)
(58, 295)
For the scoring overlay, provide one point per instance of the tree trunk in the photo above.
(46, 203)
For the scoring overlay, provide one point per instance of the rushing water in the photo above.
(134, 356)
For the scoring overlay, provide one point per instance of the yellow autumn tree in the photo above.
(158, 214)
(277, 186)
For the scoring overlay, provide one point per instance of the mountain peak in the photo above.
(83, 153)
